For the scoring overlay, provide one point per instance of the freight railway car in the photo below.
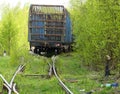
(49, 28)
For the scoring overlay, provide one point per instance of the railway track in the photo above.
(53, 69)
(11, 86)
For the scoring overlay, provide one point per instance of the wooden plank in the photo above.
(38, 34)
(44, 41)
(44, 20)
(51, 27)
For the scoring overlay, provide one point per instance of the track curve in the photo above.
(68, 91)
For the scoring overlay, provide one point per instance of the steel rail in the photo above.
(68, 91)
(12, 86)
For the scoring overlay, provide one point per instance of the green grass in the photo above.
(69, 69)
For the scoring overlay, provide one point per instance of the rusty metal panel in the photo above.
(50, 18)
(47, 23)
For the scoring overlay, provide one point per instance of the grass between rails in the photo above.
(81, 80)
(78, 79)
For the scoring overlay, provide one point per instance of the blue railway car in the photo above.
(49, 28)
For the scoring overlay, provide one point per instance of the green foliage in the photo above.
(8, 30)
(75, 76)
(14, 31)
(96, 28)
(1, 85)
(30, 84)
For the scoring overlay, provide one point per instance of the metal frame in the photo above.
(53, 18)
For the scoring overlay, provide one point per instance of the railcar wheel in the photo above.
(35, 50)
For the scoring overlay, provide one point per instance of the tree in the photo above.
(8, 30)
(96, 26)
(14, 31)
